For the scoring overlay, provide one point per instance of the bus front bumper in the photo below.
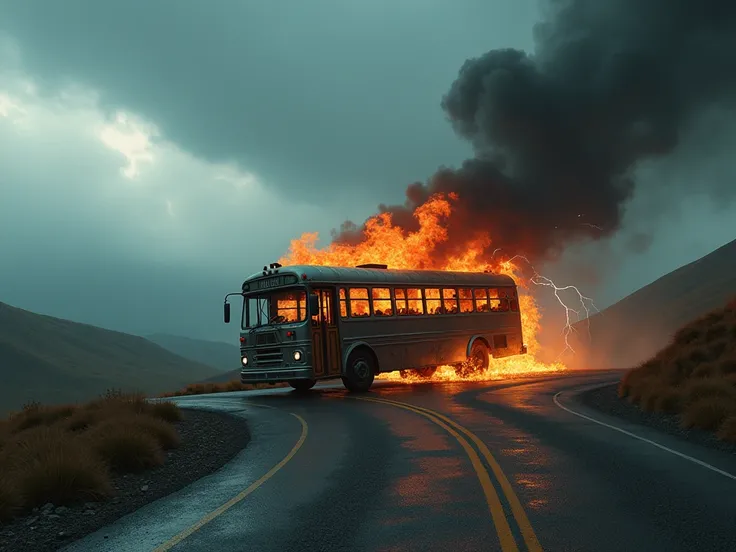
(275, 375)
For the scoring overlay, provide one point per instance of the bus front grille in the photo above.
(269, 357)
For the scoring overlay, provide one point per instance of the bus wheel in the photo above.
(426, 372)
(360, 371)
(303, 384)
(477, 360)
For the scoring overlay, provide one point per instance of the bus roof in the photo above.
(370, 276)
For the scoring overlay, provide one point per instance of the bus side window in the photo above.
(434, 303)
(481, 300)
(415, 304)
(466, 299)
(343, 304)
(400, 297)
(359, 307)
(449, 300)
(381, 302)
(514, 303)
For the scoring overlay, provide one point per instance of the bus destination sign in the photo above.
(273, 282)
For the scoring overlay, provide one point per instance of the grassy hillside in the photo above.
(52, 361)
(694, 376)
(638, 326)
(218, 354)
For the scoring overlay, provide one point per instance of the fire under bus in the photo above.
(302, 324)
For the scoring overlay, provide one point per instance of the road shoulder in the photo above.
(202, 432)
(605, 400)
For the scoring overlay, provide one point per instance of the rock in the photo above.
(35, 510)
(90, 505)
(89, 512)
(61, 510)
(53, 516)
(144, 488)
(47, 508)
(62, 534)
(116, 500)
(32, 520)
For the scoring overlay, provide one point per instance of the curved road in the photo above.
(506, 465)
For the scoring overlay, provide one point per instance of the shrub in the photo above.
(707, 412)
(63, 474)
(167, 411)
(669, 401)
(708, 387)
(727, 431)
(125, 448)
(11, 499)
(34, 415)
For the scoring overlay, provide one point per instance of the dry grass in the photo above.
(694, 377)
(206, 388)
(66, 454)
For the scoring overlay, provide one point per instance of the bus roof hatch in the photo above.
(373, 265)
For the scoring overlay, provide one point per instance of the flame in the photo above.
(387, 243)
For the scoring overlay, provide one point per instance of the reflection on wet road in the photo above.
(456, 466)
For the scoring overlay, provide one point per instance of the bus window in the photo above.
(449, 300)
(514, 305)
(414, 303)
(493, 293)
(499, 304)
(434, 303)
(343, 304)
(359, 307)
(381, 302)
(481, 300)
(466, 299)
(400, 298)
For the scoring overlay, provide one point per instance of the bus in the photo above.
(301, 324)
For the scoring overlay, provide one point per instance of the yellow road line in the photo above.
(506, 538)
(176, 539)
(518, 510)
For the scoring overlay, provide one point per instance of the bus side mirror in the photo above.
(227, 313)
(313, 305)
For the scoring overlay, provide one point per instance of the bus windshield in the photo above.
(273, 308)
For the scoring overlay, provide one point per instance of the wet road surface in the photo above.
(505, 465)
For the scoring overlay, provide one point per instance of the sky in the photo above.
(152, 155)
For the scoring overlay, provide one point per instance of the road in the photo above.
(504, 465)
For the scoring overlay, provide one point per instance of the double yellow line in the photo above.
(464, 436)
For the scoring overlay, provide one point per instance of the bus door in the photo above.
(325, 336)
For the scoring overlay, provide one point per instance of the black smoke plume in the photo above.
(557, 133)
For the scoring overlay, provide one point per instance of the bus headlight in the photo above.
(297, 355)
(244, 360)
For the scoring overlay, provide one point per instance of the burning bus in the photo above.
(304, 323)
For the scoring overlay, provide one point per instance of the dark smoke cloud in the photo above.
(556, 134)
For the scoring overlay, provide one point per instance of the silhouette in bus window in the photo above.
(449, 300)
(381, 298)
(359, 307)
(466, 299)
(434, 303)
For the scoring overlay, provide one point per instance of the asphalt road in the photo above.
(512, 465)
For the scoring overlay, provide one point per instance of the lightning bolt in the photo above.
(586, 303)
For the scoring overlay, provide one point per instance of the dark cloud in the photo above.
(312, 96)
(557, 134)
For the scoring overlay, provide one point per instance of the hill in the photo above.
(694, 376)
(639, 325)
(52, 360)
(218, 354)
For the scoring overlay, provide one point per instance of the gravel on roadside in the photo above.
(606, 400)
(208, 441)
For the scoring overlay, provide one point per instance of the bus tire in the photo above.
(425, 373)
(302, 384)
(477, 360)
(359, 371)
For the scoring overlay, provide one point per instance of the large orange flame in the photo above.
(389, 244)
